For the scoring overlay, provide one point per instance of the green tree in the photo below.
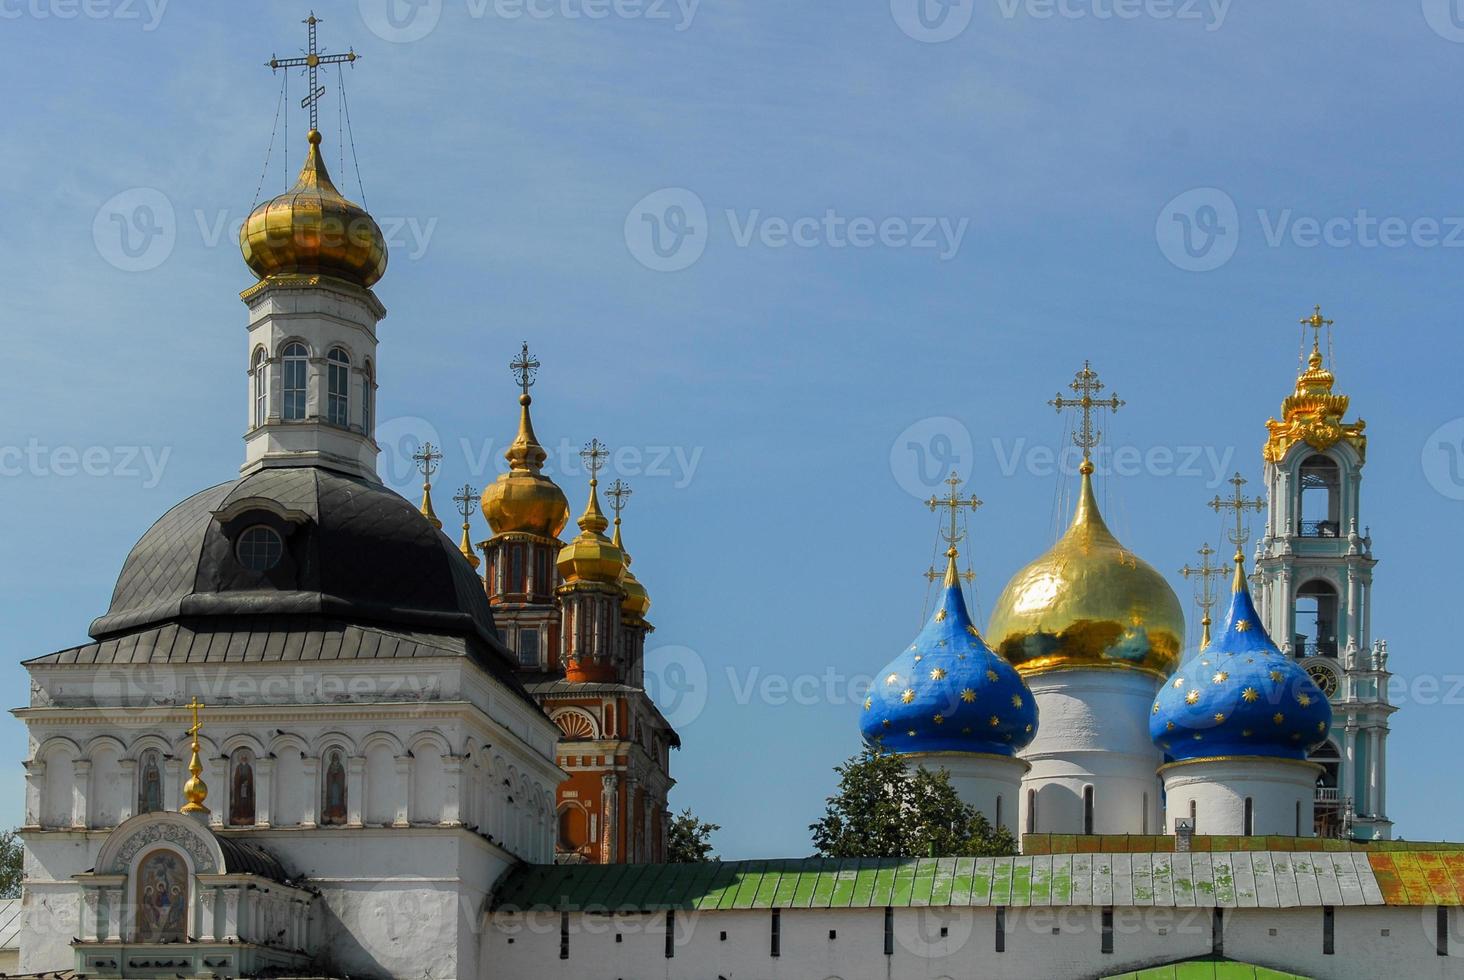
(12, 860)
(882, 809)
(689, 840)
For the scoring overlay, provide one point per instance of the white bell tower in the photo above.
(1314, 572)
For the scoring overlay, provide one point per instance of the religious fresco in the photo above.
(162, 898)
(241, 792)
(150, 789)
(334, 809)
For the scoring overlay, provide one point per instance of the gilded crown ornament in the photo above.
(524, 500)
(1313, 414)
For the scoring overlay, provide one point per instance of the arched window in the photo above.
(260, 374)
(333, 790)
(368, 399)
(241, 789)
(1249, 820)
(1087, 809)
(338, 388)
(296, 378)
(150, 783)
(1314, 630)
(1318, 503)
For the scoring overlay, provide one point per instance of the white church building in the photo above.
(295, 745)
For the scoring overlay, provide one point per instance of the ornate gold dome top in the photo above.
(1312, 413)
(311, 229)
(1088, 602)
(524, 499)
(591, 557)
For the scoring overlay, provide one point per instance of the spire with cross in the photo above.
(1238, 504)
(467, 502)
(311, 62)
(954, 504)
(593, 456)
(195, 790)
(525, 368)
(1316, 321)
(619, 492)
(427, 459)
(1206, 572)
(1086, 386)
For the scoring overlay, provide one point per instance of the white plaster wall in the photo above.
(1094, 731)
(1219, 789)
(9, 961)
(980, 780)
(1053, 943)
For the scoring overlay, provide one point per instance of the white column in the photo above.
(404, 791)
(208, 897)
(311, 766)
(355, 789)
(608, 803)
(452, 802)
(90, 914)
(217, 776)
(1382, 772)
(114, 915)
(35, 785)
(172, 783)
(263, 783)
(129, 790)
(1346, 772)
(80, 783)
(231, 915)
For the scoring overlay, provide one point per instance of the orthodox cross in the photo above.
(1316, 321)
(525, 367)
(1206, 571)
(311, 62)
(427, 459)
(594, 455)
(195, 706)
(467, 501)
(1239, 504)
(1086, 385)
(954, 504)
(619, 492)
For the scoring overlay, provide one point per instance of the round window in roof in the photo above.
(260, 548)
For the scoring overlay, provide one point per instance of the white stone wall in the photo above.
(990, 783)
(1093, 731)
(1282, 796)
(1052, 943)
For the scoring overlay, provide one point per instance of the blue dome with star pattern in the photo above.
(1240, 696)
(948, 691)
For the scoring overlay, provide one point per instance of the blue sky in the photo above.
(1019, 194)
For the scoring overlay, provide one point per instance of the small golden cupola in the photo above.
(637, 601)
(524, 500)
(1089, 601)
(1313, 413)
(313, 230)
(590, 557)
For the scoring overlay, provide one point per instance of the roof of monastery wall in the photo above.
(1196, 879)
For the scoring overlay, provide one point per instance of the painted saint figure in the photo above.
(162, 898)
(334, 809)
(150, 785)
(241, 791)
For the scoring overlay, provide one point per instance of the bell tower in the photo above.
(1314, 569)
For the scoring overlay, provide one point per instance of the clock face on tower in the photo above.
(1323, 678)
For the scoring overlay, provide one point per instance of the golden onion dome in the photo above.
(591, 557)
(524, 499)
(637, 601)
(311, 229)
(1088, 602)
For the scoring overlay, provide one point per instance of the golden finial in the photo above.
(1238, 504)
(594, 455)
(1316, 321)
(467, 501)
(954, 503)
(195, 791)
(427, 459)
(1314, 413)
(1086, 385)
(1204, 593)
(525, 453)
(618, 492)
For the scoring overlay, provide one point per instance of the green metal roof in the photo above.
(1207, 968)
(1223, 879)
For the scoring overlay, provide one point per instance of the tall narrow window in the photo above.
(241, 790)
(150, 783)
(338, 388)
(1144, 820)
(1087, 809)
(1031, 811)
(1194, 818)
(997, 821)
(295, 373)
(1250, 817)
(368, 398)
(259, 372)
(528, 647)
(333, 811)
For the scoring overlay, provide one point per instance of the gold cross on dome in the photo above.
(1086, 385)
(195, 706)
(1239, 504)
(618, 492)
(594, 455)
(1206, 572)
(311, 62)
(525, 367)
(1316, 321)
(467, 501)
(954, 504)
(427, 459)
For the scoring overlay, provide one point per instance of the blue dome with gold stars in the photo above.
(948, 691)
(1240, 696)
